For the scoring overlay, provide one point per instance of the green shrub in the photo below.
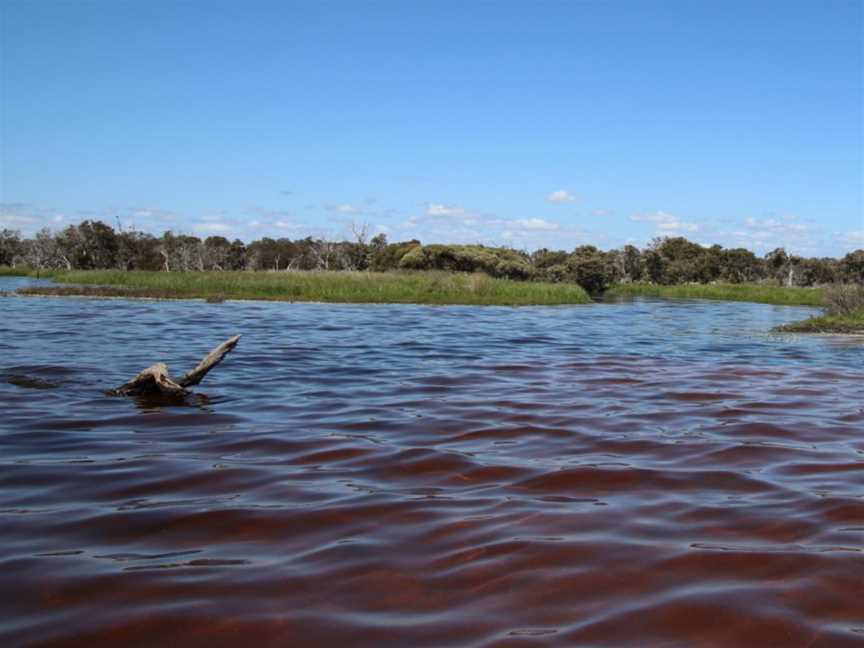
(389, 257)
(852, 266)
(591, 273)
(496, 262)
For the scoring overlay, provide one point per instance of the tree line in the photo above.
(670, 260)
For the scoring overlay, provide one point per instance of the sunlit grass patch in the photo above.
(346, 287)
(844, 313)
(851, 323)
(6, 271)
(762, 294)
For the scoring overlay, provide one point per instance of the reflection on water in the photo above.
(642, 474)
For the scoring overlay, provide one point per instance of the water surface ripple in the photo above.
(641, 474)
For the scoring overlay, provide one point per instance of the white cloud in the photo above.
(774, 225)
(437, 209)
(536, 224)
(142, 216)
(665, 223)
(436, 222)
(268, 219)
(854, 238)
(28, 219)
(340, 208)
(253, 224)
(287, 225)
(13, 220)
(213, 228)
(560, 196)
(441, 223)
(772, 228)
(763, 234)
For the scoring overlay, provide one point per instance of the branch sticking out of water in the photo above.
(156, 379)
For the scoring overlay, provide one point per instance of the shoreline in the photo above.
(800, 328)
(825, 325)
(744, 292)
(755, 293)
(416, 288)
(263, 300)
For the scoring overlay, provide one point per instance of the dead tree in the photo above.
(157, 380)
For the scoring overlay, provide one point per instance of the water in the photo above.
(642, 474)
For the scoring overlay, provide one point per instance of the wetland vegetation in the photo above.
(93, 259)
(346, 287)
(844, 313)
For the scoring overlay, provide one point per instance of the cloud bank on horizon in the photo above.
(443, 223)
(570, 124)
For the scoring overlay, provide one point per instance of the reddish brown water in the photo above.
(645, 474)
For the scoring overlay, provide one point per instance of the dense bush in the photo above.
(390, 256)
(592, 269)
(10, 247)
(741, 266)
(496, 262)
(632, 264)
(852, 267)
(675, 260)
(544, 259)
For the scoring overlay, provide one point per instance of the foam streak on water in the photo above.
(643, 474)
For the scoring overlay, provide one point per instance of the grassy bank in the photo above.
(851, 324)
(346, 287)
(726, 292)
(844, 313)
(6, 271)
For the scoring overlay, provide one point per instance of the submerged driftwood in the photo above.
(157, 380)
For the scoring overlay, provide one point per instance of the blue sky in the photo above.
(521, 123)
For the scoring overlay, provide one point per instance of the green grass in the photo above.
(26, 271)
(727, 292)
(346, 287)
(6, 271)
(852, 323)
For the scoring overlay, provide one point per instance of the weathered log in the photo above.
(156, 379)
